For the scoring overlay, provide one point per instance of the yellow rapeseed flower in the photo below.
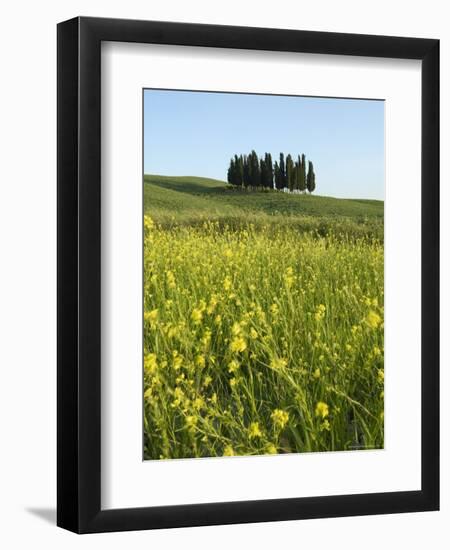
(238, 344)
(228, 451)
(254, 431)
(320, 312)
(280, 418)
(325, 426)
(177, 362)
(373, 319)
(151, 315)
(191, 421)
(170, 279)
(233, 366)
(227, 283)
(198, 403)
(289, 277)
(148, 223)
(316, 373)
(150, 363)
(278, 363)
(236, 329)
(148, 393)
(322, 409)
(197, 316)
(207, 381)
(200, 361)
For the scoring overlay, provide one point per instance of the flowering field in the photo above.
(261, 339)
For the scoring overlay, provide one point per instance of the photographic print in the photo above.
(263, 274)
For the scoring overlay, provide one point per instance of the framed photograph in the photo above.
(248, 274)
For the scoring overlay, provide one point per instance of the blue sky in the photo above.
(196, 133)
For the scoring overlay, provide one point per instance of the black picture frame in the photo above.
(79, 280)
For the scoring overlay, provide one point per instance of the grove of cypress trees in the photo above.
(252, 171)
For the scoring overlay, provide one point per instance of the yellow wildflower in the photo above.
(278, 363)
(148, 223)
(280, 418)
(207, 381)
(198, 403)
(233, 366)
(289, 277)
(191, 422)
(236, 329)
(197, 316)
(316, 373)
(253, 334)
(148, 393)
(274, 309)
(200, 361)
(151, 315)
(150, 363)
(238, 344)
(322, 409)
(325, 426)
(227, 283)
(373, 319)
(228, 451)
(177, 362)
(170, 279)
(271, 449)
(320, 312)
(254, 431)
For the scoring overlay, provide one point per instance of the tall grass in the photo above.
(261, 340)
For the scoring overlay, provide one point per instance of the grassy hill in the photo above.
(190, 200)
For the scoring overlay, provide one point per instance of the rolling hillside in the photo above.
(190, 200)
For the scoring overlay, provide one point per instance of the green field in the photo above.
(263, 321)
(192, 200)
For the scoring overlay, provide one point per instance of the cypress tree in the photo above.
(237, 171)
(263, 172)
(277, 175)
(246, 171)
(289, 173)
(255, 175)
(282, 172)
(298, 172)
(230, 172)
(302, 182)
(310, 178)
(269, 170)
